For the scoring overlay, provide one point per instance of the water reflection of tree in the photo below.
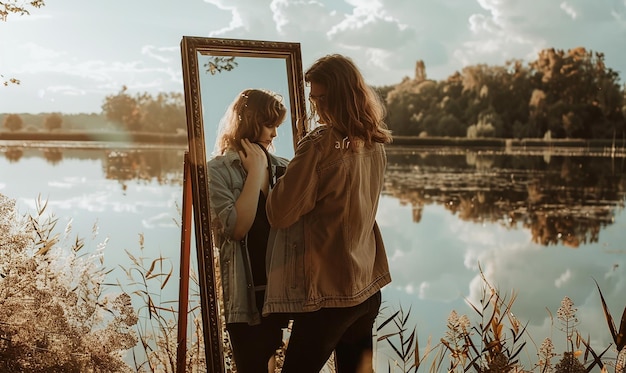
(565, 200)
(52, 155)
(13, 153)
(161, 165)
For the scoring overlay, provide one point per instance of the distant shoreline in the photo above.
(132, 137)
(593, 144)
(181, 139)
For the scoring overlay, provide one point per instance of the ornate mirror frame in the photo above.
(193, 50)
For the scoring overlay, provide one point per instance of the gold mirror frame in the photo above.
(191, 48)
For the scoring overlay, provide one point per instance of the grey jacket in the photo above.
(226, 179)
(328, 198)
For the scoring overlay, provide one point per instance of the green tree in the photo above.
(409, 103)
(53, 122)
(164, 113)
(123, 109)
(582, 95)
(13, 122)
(570, 94)
(487, 126)
(451, 126)
(399, 102)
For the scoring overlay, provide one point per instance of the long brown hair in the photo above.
(349, 104)
(249, 111)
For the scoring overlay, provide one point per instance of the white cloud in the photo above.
(235, 18)
(563, 279)
(66, 90)
(569, 10)
(161, 220)
(370, 30)
(58, 184)
(161, 54)
(97, 50)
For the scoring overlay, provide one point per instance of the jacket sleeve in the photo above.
(295, 193)
(222, 198)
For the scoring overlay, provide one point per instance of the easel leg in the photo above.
(183, 291)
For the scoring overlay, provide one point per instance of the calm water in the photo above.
(542, 225)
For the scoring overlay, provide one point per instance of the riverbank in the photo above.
(181, 139)
(125, 137)
(508, 143)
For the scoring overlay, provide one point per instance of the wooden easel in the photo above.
(183, 291)
(211, 327)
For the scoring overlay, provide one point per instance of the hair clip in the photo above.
(245, 105)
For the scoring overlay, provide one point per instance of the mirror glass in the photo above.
(219, 89)
(215, 71)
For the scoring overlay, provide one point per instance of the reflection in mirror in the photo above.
(250, 72)
(215, 71)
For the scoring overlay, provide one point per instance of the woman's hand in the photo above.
(254, 162)
(252, 157)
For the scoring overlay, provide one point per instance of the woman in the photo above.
(332, 185)
(239, 179)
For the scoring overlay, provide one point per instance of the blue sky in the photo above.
(70, 54)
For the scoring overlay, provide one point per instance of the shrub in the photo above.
(53, 314)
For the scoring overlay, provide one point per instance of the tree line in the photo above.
(561, 94)
(142, 112)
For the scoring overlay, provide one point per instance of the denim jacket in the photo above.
(226, 180)
(327, 250)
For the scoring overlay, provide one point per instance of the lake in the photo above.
(542, 224)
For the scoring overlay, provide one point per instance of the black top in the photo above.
(257, 243)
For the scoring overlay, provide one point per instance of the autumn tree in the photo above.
(13, 122)
(582, 95)
(164, 113)
(409, 105)
(569, 94)
(53, 122)
(16, 7)
(123, 109)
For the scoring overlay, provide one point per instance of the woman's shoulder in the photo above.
(216, 161)
(317, 135)
(223, 160)
(278, 160)
(318, 132)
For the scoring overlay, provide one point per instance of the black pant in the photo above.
(348, 331)
(254, 345)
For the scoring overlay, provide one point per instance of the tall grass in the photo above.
(494, 340)
(55, 316)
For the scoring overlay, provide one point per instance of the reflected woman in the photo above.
(240, 173)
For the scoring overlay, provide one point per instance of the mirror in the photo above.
(215, 71)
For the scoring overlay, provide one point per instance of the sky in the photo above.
(70, 54)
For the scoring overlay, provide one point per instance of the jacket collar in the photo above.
(233, 157)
